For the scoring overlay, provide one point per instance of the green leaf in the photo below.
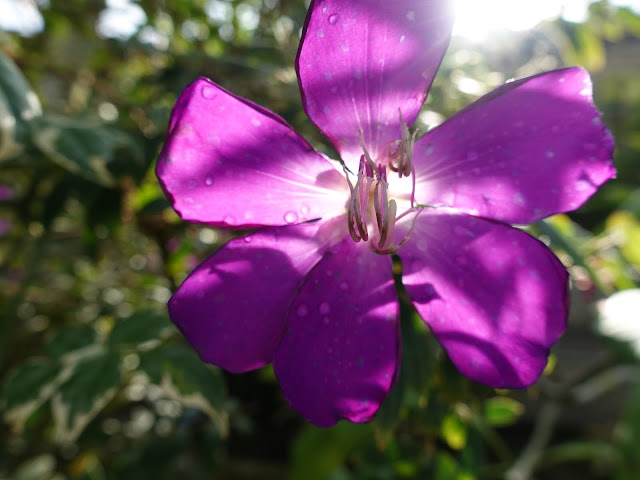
(446, 467)
(41, 467)
(139, 328)
(26, 388)
(454, 431)
(317, 453)
(18, 106)
(92, 383)
(83, 147)
(625, 228)
(553, 228)
(502, 411)
(187, 379)
(70, 339)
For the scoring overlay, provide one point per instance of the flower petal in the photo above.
(339, 355)
(495, 297)
(360, 61)
(530, 149)
(233, 306)
(230, 163)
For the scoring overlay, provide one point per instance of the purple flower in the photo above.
(5, 227)
(6, 193)
(317, 298)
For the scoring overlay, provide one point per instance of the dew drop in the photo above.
(402, 38)
(325, 309)
(208, 181)
(333, 18)
(247, 239)
(256, 122)
(320, 33)
(229, 220)
(411, 15)
(344, 47)
(305, 209)
(518, 199)
(291, 217)
(550, 154)
(428, 150)
(208, 92)
(303, 310)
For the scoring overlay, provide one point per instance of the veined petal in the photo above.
(532, 148)
(360, 62)
(339, 355)
(230, 163)
(233, 306)
(495, 297)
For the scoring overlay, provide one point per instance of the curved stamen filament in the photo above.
(400, 152)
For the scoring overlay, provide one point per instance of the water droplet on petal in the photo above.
(344, 47)
(325, 309)
(305, 209)
(208, 92)
(402, 38)
(208, 181)
(411, 15)
(303, 310)
(247, 239)
(256, 122)
(291, 217)
(550, 154)
(333, 18)
(518, 199)
(229, 220)
(320, 33)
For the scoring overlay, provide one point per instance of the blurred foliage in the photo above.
(95, 381)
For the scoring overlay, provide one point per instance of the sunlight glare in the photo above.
(476, 20)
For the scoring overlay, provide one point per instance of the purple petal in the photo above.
(530, 149)
(495, 297)
(6, 193)
(233, 307)
(228, 162)
(360, 61)
(339, 355)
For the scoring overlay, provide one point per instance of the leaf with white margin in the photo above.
(81, 146)
(27, 388)
(18, 105)
(185, 378)
(93, 382)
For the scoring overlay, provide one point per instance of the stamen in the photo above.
(400, 152)
(374, 177)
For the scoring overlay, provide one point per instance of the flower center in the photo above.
(370, 195)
